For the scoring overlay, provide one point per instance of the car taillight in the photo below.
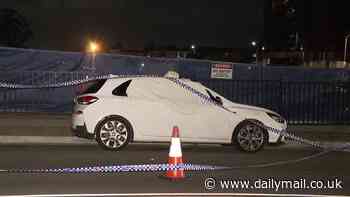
(86, 100)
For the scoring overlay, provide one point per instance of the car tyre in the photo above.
(114, 133)
(249, 137)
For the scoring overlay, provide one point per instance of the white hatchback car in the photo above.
(144, 109)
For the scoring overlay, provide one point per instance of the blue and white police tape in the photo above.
(122, 168)
(70, 83)
(204, 99)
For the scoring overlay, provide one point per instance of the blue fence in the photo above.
(299, 102)
(303, 95)
(39, 100)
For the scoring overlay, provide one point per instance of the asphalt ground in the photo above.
(41, 140)
(323, 167)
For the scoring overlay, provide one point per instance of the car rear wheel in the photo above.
(114, 133)
(249, 137)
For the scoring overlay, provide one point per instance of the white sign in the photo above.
(221, 71)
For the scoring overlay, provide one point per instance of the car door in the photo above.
(197, 121)
(208, 123)
(213, 124)
(164, 104)
(152, 115)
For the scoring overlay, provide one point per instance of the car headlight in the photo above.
(277, 118)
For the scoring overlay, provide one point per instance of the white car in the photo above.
(145, 109)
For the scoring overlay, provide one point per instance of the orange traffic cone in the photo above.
(175, 156)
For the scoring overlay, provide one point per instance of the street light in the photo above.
(254, 43)
(93, 48)
(346, 47)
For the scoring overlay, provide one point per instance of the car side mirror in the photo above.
(218, 100)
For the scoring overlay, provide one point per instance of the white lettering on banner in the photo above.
(273, 184)
(221, 71)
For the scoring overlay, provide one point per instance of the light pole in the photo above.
(302, 54)
(346, 47)
(263, 59)
(193, 48)
(93, 49)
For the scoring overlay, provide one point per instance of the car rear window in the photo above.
(93, 87)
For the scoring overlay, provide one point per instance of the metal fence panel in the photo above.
(301, 102)
(39, 100)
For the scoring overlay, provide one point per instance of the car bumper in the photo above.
(81, 131)
(79, 128)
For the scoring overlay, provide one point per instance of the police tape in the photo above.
(144, 168)
(204, 98)
(165, 167)
(70, 83)
(122, 168)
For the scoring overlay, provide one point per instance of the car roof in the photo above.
(112, 83)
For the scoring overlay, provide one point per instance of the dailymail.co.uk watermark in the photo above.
(272, 184)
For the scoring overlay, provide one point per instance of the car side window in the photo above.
(121, 89)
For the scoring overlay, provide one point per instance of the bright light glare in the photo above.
(253, 43)
(93, 47)
(193, 46)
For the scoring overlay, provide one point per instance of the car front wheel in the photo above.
(249, 137)
(113, 133)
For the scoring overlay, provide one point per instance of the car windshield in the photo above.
(208, 92)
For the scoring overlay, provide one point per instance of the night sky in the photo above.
(68, 24)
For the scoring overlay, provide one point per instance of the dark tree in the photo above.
(14, 28)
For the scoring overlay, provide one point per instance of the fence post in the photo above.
(280, 107)
(346, 108)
